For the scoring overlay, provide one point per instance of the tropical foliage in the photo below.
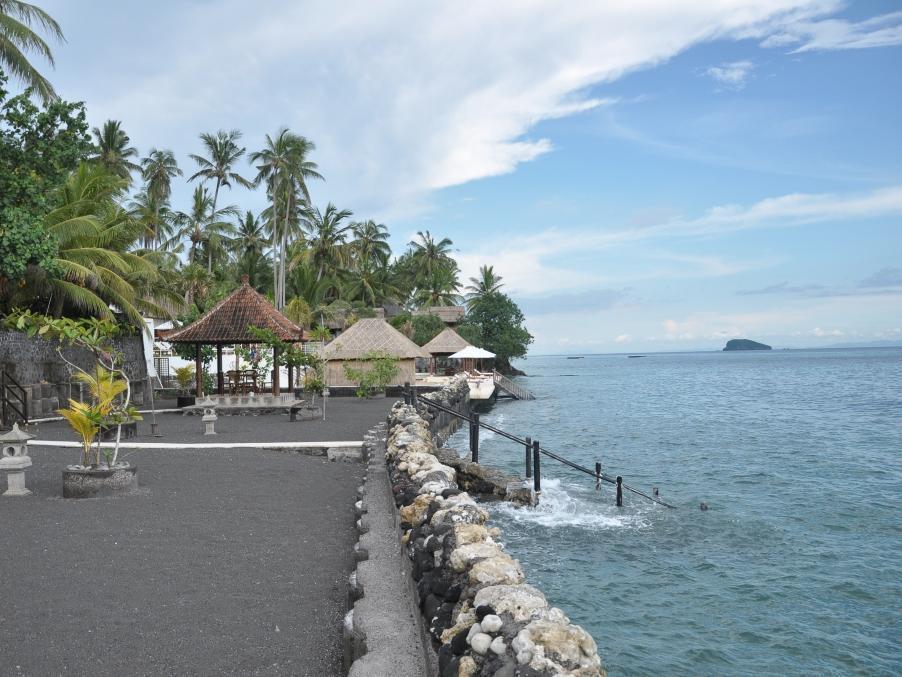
(90, 227)
(17, 37)
(107, 383)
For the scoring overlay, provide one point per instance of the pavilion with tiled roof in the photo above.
(227, 323)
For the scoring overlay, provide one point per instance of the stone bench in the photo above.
(306, 412)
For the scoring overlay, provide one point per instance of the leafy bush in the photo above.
(380, 371)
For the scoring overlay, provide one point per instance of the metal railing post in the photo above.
(619, 491)
(536, 467)
(528, 458)
(597, 476)
(474, 438)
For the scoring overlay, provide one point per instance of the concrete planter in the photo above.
(99, 482)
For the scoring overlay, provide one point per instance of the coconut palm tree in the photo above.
(429, 255)
(223, 151)
(327, 251)
(487, 283)
(17, 37)
(113, 152)
(156, 218)
(248, 247)
(205, 228)
(94, 268)
(284, 166)
(370, 245)
(371, 286)
(158, 168)
(439, 289)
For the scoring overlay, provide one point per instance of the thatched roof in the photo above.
(369, 335)
(228, 320)
(447, 342)
(447, 314)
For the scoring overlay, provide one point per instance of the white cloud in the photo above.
(526, 261)
(623, 338)
(879, 31)
(821, 333)
(731, 75)
(401, 98)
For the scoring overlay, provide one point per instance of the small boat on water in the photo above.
(634, 356)
(574, 357)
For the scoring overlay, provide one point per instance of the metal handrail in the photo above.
(9, 385)
(513, 438)
(507, 384)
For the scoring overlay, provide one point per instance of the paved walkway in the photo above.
(228, 562)
(347, 418)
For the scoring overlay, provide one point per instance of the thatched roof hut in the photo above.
(368, 336)
(447, 342)
(450, 315)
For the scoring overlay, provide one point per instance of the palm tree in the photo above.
(486, 283)
(439, 289)
(204, 227)
(113, 151)
(283, 165)
(156, 218)
(223, 152)
(159, 168)
(250, 236)
(196, 282)
(248, 246)
(326, 251)
(429, 255)
(370, 245)
(371, 286)
(17, 37)
(94, 264)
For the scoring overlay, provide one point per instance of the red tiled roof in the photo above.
(228, 320)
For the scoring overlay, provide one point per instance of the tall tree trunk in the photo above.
(275, 258)
(215, 196)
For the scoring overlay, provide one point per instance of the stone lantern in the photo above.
(14, 460)
(209, 418)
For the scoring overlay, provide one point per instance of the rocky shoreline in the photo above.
(482, 617)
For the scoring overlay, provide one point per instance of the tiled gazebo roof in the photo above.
(228, 320)
(446, 343)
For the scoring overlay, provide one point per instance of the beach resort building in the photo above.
(363, 338)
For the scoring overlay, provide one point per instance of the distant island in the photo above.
(745, 344)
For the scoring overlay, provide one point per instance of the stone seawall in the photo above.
(34, 363)
(481, 615)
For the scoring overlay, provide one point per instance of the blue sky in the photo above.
(645, 175)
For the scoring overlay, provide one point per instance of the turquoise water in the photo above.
(794, 569)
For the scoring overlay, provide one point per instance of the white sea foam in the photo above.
(561, 505)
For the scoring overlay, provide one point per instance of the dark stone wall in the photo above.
(35, 364)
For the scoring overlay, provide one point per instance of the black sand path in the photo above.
(229, 562)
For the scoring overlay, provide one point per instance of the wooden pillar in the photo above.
(198, 371)
(219, 375)
(275, 372)
(291, 379)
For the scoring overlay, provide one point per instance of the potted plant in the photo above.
(184, 376)
(109, 405)
(380, 371)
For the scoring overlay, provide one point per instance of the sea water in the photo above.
(795, 568)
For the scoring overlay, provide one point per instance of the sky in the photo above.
(644, 175)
